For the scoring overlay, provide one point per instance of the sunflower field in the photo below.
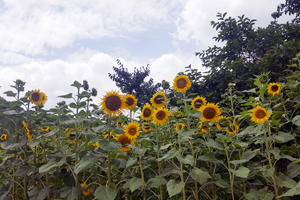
(243, 147)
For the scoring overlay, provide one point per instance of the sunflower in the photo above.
(147, 112)
(259, 115)
(112, 103)
(130, 101)
(181, 126)
(146, 127)
(203, 129)
(198, 101)
(3, 137)
(35, 97)
(274, 88)
(210, 112)
(181, 83)
(158, 99)
(234, 128)
(132, 130)
(124, 140)
(43, 98)
(85, 191)
(160, 116)
(119, 124)
(27, 130)
(45, 128)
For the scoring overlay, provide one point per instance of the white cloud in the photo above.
(30, 26)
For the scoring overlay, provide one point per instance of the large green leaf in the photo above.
(189, 160)
(210, 156)
(285, 181)
(293, 191)
(49, 134)
(85, 163)
(119, 163)
(174, 188)
(24, 169)
(242, 172)
(296, 120)
(67, 96)
(52, 163)
(293, 170)
(171, 154)
(130, 162)
(157, 181)
(135, 183)
(10, 144)
(110, 146)
(105, 192)
(200, 175)
(267, 172)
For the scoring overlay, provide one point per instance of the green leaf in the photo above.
(118, 163)
(252, 90)
(110, 146)
(296, 120)
(171, 154)
(15, 104)
(85, 163)
(211, 143)
(106, 192)
(10, 144)
(67, 96)
(52, 163)
(267, 172)
(73, 105)
(43, 193)
(210, 156)
(135, 183)
(33, 143)
(242, 172)
(10, 93)
(24, 169)
(293, 170)
(139, 151)
(174, 188)
(49, 134)
(130, 162)
(10, 112)
(293, 191)
(165, 146)
(157, 181)
(67, 120)
(189, 160)
(200, 175)
(76, 84)
(285, 181)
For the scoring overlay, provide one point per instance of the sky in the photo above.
(50, 44)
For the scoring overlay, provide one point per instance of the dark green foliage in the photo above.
(134, 83)
(246, 52)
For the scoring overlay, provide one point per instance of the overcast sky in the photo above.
(49, 44)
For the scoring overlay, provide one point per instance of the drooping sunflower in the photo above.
(27, 130)
(158, 99)
(146, 127)
(3, 137)
(132, 130)
(85, 191)
(124, 140)
(202, 129)
(45, 128)
(210, 112)
(147, 112)
(43, 98)
(181, 83)
(198, 102)
(130, 101)
(233, 129)
(181, 126)
(161, 116)
(112, 103)
(259, 114)
(274, 88)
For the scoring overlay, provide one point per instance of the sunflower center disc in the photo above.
(180, 126)
(159, 99)
(181, 83)
(129, 101)
(146, 127)
(198, 103)
(147, 113)
(260, 114)
(274, 88)
(209, 113)
(35, 96)
(124, 140)
(113, 103)
(132, 131)
(160, 115)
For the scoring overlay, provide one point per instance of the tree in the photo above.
(134, 83)
(247, 52)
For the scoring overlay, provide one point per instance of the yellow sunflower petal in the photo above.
(112, 103)
(210, 112)
(161, 116)
(274, 88)
(130, 101)
(181, 83)
(198, 102)
(146, 127)
(158, 99)
(132, 130)
(147, 112)
(181, 126)
(259, 115)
